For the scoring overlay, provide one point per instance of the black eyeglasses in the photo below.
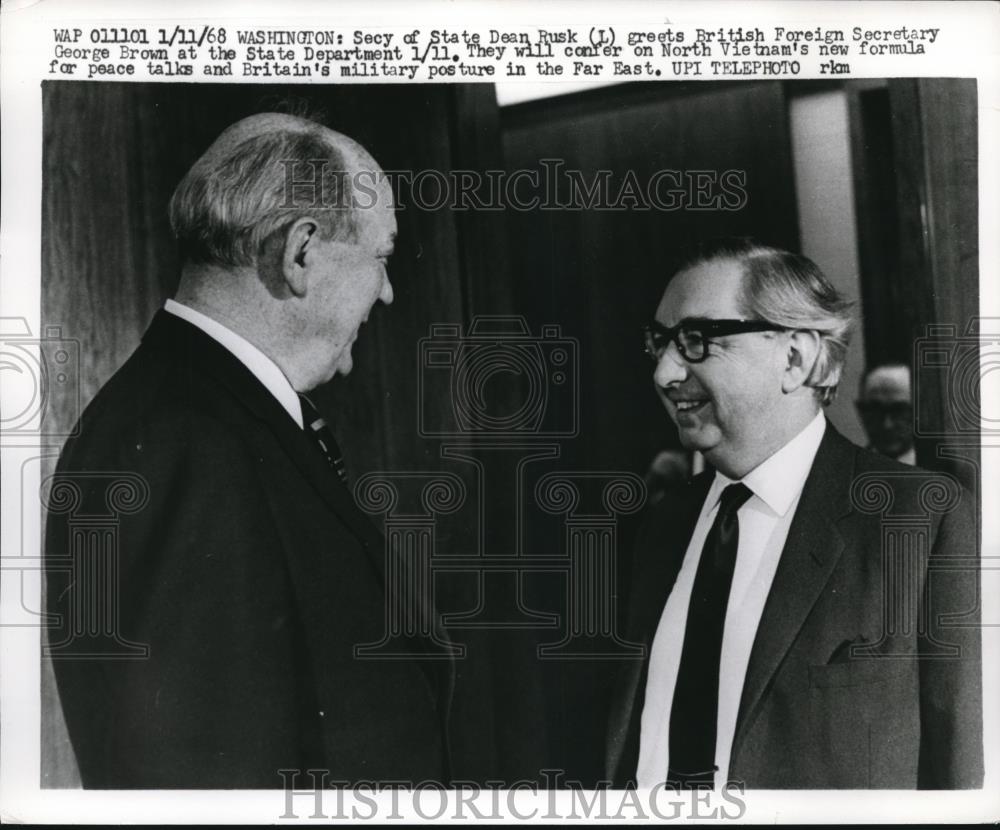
(692, 335)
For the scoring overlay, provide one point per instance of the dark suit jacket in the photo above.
(810, 715)
(251, 576)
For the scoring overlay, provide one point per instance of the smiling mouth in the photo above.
(687, 407)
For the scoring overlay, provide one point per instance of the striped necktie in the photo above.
(315, 427)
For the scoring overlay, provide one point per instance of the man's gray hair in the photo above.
(226, 208)
(790, 290)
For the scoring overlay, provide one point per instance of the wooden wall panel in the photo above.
(107, 260)
(888, 338)
(949, 107)
(935, 143)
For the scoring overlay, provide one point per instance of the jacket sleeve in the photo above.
(219, 700)
(951, 720)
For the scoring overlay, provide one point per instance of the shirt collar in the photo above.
(778, 480)
(262, 367)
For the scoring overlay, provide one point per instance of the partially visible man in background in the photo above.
(250, 573)
(885, 406)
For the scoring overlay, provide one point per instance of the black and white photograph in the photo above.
(619, 440)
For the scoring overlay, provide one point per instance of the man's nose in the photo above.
(386, 295)
(671, 369)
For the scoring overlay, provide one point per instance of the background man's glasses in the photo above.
(692, 336)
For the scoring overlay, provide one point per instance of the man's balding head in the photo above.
(273, 123)
(260, 175)
(286, 228)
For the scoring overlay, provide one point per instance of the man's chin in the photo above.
(696, 438)
(344, 363)
(690, 441)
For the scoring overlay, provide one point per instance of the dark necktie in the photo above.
(695, 711)
(315, 427)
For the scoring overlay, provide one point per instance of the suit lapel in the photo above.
(200, 354)
(813, 547)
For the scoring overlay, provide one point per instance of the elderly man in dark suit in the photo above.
(246, 573)
(809, 608)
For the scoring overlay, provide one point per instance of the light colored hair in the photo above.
(231, 203)
(790, 290)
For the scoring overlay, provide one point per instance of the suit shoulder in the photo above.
(150, 409)
(916, 490)
(905, 479)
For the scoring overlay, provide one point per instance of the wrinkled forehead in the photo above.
(371, 187)
(372, 201)
(712, 290)
(372, 191)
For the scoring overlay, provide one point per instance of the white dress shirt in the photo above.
(263, 368)
(764, 519)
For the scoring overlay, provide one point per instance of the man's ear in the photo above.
(803, 350)
(298, 239)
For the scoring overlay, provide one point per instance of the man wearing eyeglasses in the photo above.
(246, 570)
(886, 410)
(774, 657)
